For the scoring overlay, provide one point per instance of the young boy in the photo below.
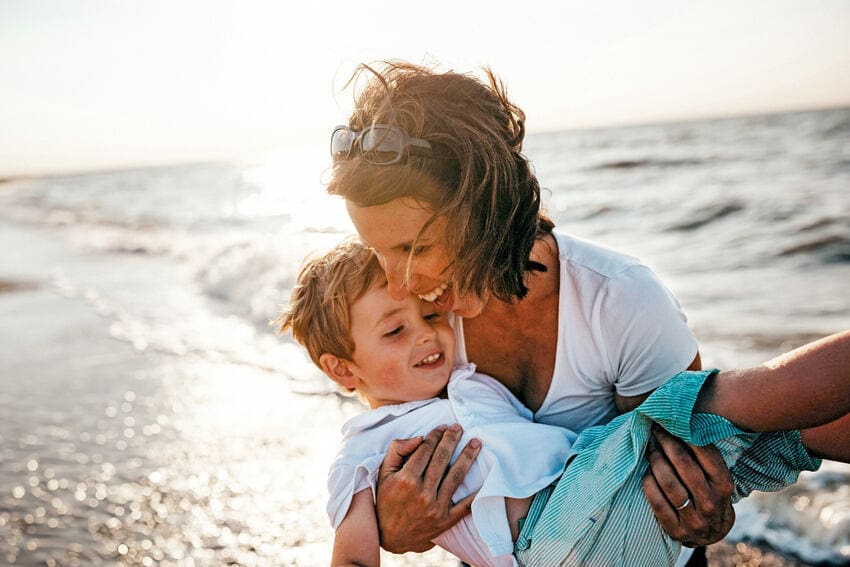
(542, 494)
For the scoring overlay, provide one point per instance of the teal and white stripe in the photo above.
(597, 514)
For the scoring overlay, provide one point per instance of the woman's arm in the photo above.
(356, 539)
(808, 387)
(415, 488)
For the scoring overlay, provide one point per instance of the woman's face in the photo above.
(390, 230)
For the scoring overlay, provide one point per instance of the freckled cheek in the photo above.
(434, 269)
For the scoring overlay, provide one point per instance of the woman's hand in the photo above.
(415, 488)
(689, 489)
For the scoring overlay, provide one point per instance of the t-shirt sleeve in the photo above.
(344, 481)
(644, 332)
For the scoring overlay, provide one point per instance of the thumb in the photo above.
(397, 453)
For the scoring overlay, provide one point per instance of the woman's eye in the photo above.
(432, 317)
(394, 332)
(407, 249)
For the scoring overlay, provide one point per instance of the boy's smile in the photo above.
(403, 348)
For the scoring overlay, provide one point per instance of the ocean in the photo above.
(149, 414)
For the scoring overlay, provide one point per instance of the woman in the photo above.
(431, 169)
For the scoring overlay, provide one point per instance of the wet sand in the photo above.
(115, 454)
(112, 454)
(725, 554)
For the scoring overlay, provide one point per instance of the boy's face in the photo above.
(403, 348)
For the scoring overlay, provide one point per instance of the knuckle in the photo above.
(430, 514)
(667, 484)
(680, 452)
(709, 508)
(456, 476)
(699, 526)
(441, 454)
(725, 488)
(434, 437)
(405, 483)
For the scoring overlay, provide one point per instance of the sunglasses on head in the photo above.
(379, 144)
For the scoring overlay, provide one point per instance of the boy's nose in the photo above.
(427, 334)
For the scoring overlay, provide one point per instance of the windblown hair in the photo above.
(319, 311)
(477, 177)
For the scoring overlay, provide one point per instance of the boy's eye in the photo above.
(394, 332)
(431, 317)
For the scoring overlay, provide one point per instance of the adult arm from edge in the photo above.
(815, 376)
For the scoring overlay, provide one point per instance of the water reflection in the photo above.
(195, 463)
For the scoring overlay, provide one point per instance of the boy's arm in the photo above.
(805, 388)
(830, 441)
(356, 541)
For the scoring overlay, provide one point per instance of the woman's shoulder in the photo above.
(581, 255)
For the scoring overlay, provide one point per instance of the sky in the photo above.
(115, 83)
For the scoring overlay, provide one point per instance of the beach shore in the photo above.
(113, 454)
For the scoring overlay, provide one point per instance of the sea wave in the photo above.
(830, 247)
(647, 163)
(706, 215)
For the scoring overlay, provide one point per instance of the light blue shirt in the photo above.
(598, 515)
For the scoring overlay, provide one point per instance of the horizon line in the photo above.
(130, 164)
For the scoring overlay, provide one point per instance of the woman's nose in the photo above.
(396, 280)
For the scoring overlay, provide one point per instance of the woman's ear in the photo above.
(338, 370)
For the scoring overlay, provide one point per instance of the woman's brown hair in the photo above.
(476, 177)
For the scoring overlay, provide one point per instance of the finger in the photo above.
(461, 509)
(691, 480)
(661, 507)
(666, 479)
(417, 462)
(457, 472)
(442, 456)
(398, 452)
(712, 463)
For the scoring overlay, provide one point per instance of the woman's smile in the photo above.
(432, 295)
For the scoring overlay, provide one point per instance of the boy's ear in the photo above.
(338, 370)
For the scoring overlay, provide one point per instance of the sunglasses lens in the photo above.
(382, 145)
(341, 142)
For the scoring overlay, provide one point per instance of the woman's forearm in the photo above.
(807, 387)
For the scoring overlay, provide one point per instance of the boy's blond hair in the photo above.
(319, 312)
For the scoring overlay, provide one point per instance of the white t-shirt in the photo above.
(619, 330)
(518, 458)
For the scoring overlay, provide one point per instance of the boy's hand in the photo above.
(681, 473)
(415, 488)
